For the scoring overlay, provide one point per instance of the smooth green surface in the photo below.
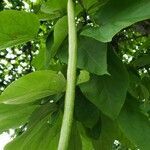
(108, 92)
(84, 76)
(110, 132)
(85, 111)
(116, 15)
(60, 33)
(13, 116)
(32, 87)
(86, 141)
(42, 133)
(75, 142)
(17, 27)
(40, 62)
(53, 6)
(142, 61)
(135, 125)
(91, 6)
(92, 55)
(90, 137)
(89, 3)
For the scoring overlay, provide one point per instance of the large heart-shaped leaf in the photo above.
(85, 111)
(86, 141)
(116, 15)
(17, 27)
(75, 140)
(142, 61)
(40, 62)
(90, 137)
(60, 33)
(134, 125)
(42, 132)
(12, 116)
(54, 7)
(92, 55)
(33, 86)
(109, 91)
(106, 141)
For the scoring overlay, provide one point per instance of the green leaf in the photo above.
(90, 136)
(75, 139)
(85, 111)
(84, 76)
(143, 93)
(146, 82)
(13, 116)
(116, 15)
(145, 108)
(91, 55)
(138, 88)
(86, 141)
(49, 47)
(91, 6)
(46, 17)
(41, 112)
(135, 125)
(54, 7)
(142, 61)
(109, 91)
(88, 3)
(40, 62)
(110, 132)
(60, 33)
(135, 81)
(42, 132)
(17, 27)
(95, 131)
(32, 87)
(43, 59)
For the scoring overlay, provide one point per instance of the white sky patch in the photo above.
(33, 1)
(3, 61)
(4, 139)
(8, 4)
(26, 6)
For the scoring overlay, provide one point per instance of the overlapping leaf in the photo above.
(40, 62)
(54, 7)
(109, 91)
(60, 33)
(13, 116)
(134, 125)
(91, 55)
(17, 27)
(116, 15)
(32, 87)
(85, 111)
(142, 61)
(42, 133)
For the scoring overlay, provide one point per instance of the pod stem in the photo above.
(71, 80)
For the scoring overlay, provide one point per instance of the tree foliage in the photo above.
(112, 93)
